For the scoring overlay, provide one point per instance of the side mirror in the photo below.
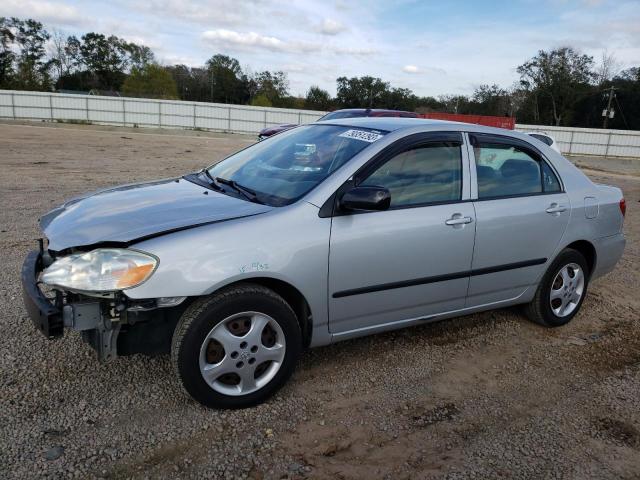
(366, 198)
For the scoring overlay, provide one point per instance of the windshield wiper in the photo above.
(212, 181)
(244, 191)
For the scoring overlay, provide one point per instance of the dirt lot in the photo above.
(482, 396)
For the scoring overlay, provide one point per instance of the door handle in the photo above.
(555, 208)
(458, 219)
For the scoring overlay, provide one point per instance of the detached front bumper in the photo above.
(46, 314)
(52, 316)
(112, 326)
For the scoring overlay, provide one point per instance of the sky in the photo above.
(431, 47)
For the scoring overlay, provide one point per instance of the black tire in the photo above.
(204, 314)
(539, 309)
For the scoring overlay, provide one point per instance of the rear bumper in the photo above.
(609, 250)
(45, 314)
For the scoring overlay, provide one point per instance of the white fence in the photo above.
(591, 141)
(144, 112)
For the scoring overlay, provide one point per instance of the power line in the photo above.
(607, 112)
(621, 112)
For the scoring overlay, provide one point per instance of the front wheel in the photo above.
(236, 348)
(561, 291)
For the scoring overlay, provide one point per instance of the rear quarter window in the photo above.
(542, 138)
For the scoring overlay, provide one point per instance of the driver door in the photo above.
(413, 260)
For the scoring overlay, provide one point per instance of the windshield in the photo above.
(283, 168)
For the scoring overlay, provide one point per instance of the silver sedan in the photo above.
(325, 232)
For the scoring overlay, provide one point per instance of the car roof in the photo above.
(372, 110)
(388, 124)
(392, 124)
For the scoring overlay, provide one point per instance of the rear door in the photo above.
(412, 260)
(521, 212)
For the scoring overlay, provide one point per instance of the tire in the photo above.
(240, 333)
(565, 305)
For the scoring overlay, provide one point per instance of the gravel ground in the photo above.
(483, 396)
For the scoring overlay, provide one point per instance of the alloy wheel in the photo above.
(567, 289)
(242, 353)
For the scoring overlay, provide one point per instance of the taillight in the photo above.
(623, 207)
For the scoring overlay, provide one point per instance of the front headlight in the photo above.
(100, 270)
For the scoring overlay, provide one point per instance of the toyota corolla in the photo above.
(325, 232)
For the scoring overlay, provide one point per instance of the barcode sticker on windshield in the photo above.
(362, 135)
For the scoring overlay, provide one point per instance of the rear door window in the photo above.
(507, 170)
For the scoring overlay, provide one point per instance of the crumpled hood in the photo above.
(132, 212)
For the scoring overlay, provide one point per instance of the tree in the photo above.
(192, 83)
(150, 81)
(609, 67)
(273, 86)
(7, 55)
(23, 61)
(226, 81)
(318, 99)
(491, 100)
(139, 55)
(630, 74)
(626, 102)
(558, 76)
(103, 62)
(361, 92)
(454, 103)
(261, 100)
(428, 104)
(105, 57)
(61, 61)
(399, 99)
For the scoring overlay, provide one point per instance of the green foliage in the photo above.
(274, 86)
(370, 92)
(261, 100)
(23, 61)
(226, 80)
(556, 79)
(361, 92)
(193, 83)
(150, 81)
(7, 55)
(491, 100)
(318, 99)
(106, 60)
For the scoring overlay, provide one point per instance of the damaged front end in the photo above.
(110, 322)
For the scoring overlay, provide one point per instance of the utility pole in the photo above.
(608, 113)
(211, 83)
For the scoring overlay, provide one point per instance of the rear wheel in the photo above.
(236, 348)
(561, 291)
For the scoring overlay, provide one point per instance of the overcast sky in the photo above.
(431, 47)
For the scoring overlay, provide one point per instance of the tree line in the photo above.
(557, 87)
